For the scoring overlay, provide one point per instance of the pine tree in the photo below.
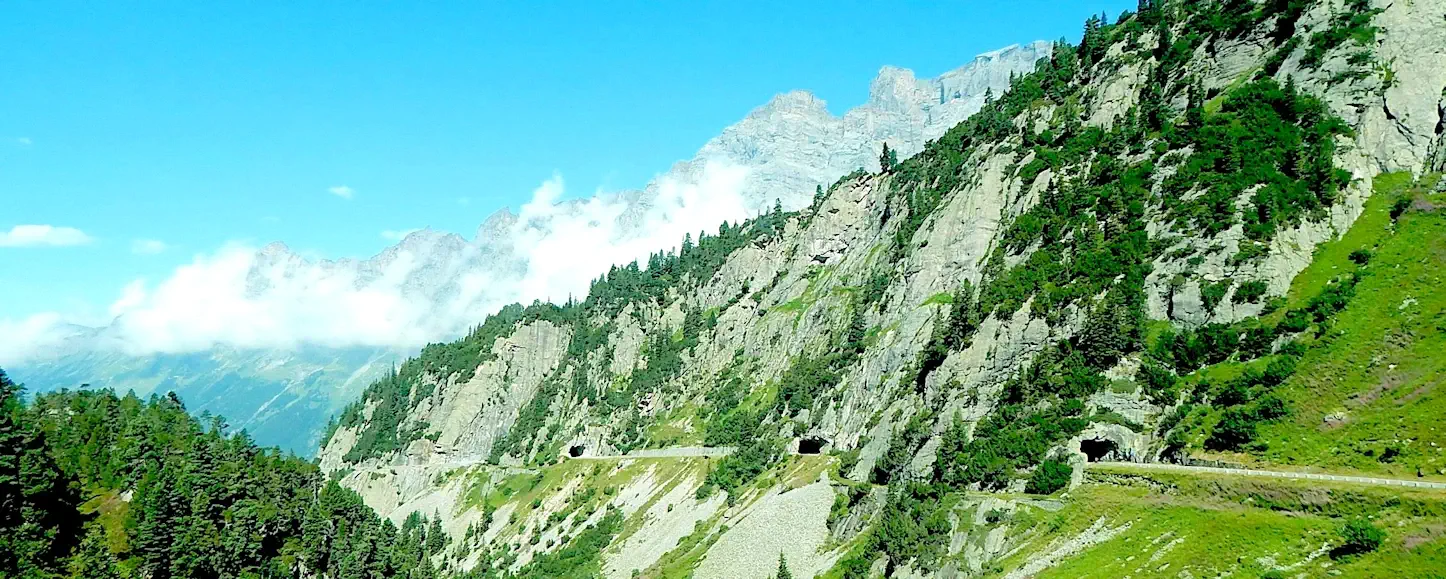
(888, 159)
(436, 537)
(1091, 46)
(783, 572)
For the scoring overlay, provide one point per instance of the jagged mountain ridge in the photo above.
(963, 222)
(448, 283)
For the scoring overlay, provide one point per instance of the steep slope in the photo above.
(1364, 395)
(1102, 254)
(434, 286)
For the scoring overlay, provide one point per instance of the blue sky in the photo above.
(161, 130)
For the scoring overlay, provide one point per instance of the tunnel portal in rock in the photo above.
(811, 444)
(576, 450)
(1098, 449)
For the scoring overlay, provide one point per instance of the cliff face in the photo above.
(990, 303)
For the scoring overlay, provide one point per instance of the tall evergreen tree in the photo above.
(436, 537)
(888, 159)
(783, 572)
(39, 520)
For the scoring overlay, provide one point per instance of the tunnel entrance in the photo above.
(576, 450)
(1097, 449)
(811, 445)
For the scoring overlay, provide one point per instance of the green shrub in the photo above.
(744, 465)
(955, 333)
(1256, 341)
(1250, 291)
(1211, 293)
(1351, 25)
(1189, 350)
(1294, 321)
(1160, 383)
(1358, 536)
(912, 525)
(1399, 207)
(1235, 429)
(1050, 477)
(1334, 298)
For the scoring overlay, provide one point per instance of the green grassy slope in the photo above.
(1367, 395)
(1384, 361)
(1207, 526)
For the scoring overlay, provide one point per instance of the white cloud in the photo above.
(24, 141)
(241, 297)
(342, 191)
(46, 235)
(28, 338)
(209, 302)
(569, 245)
(397, 234)
(148, 246)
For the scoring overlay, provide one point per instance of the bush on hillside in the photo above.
(1358, 536)
(1050, 477)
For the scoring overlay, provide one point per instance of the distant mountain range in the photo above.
(439, 284)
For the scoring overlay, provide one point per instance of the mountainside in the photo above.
(1206, 235)
(433, 286)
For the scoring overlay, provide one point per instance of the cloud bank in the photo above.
(42, 235)
(429, 287)
(570, 245)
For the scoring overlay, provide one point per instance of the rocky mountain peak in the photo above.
(496, 227)
(895, 89)
(801, 101)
